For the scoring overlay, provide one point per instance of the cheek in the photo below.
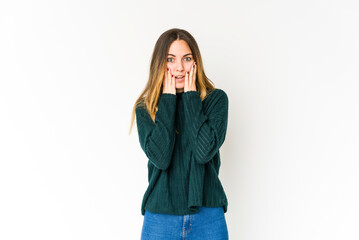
(189, 66)
(170, 67)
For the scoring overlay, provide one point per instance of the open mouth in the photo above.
(179, 77)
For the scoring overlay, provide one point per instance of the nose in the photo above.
(179, 66)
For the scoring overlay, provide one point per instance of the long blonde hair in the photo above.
(150, 95)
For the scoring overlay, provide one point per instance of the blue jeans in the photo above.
(208, 223)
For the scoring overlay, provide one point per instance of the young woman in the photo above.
(182, 122)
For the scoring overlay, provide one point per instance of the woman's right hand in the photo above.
(169, 84)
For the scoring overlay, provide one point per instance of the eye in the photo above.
(189, 58)
(169, 59)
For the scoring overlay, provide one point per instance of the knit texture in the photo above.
(182, 147)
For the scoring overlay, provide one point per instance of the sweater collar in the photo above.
(179, 93)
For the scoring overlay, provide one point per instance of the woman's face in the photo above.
(180, 61)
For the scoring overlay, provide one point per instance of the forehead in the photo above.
(179, 48)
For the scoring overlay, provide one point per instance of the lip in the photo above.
(180, 80)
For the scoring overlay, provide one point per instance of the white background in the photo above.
(71, 71)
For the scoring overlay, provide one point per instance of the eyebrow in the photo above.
(183, 55)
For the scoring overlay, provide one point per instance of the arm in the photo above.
(207, 131)
(157, 138)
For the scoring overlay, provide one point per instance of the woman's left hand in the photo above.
(190, 79)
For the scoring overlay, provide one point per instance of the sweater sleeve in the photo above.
(157, 139)
(207, 131)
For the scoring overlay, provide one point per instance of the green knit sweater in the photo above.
(182, 147)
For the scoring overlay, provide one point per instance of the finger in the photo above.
(166, 78)
(194, 72)
(169, 80)
(190, 82)
(172, 79)
(186, 81)
(168, 74)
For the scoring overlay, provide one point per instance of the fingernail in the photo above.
(167, 69)
(172, 75)
(187, 72)
(195, 63)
